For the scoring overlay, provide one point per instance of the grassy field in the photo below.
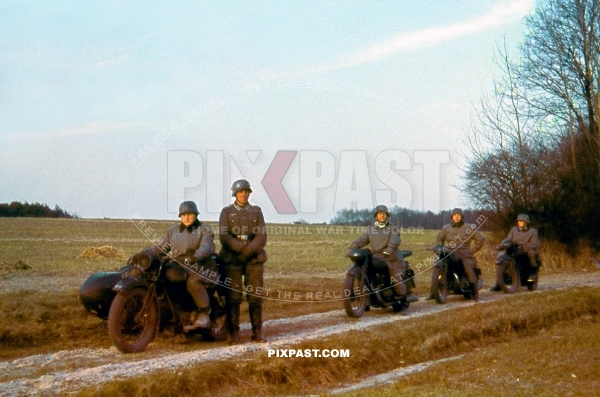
(307, 260)
(53, 246)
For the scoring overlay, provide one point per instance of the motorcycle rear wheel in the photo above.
(354, 304)
(130, 328)
(439, 285)
(508, 278)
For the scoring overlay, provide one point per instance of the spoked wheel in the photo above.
(131, 325)
(439, 284)
(217, 330)
(355, 299)
(508, 277)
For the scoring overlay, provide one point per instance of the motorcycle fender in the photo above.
(130, 283)
(353, 270)
(439, 264)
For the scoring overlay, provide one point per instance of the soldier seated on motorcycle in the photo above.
(191, 245)
(384, 239)
(527, 239)
(458, 235)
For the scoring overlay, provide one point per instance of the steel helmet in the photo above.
(457, 211)
(523, 217)
(240, 184)
(188, 206)
(381, 208)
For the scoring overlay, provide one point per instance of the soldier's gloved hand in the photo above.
(141, 259)
(245, 253)
(186, 259)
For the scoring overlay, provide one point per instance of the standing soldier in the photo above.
(458, 235)
(243, 237)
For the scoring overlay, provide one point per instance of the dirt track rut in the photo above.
(70, 370)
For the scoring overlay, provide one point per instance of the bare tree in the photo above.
(509, 166)
(560, 69)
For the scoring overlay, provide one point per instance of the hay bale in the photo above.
(106, 251)
(18, 265)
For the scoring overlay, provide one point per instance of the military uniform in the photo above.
(385, 238)
(243, 236)
(195, 242)
(526, 238)
(458, 237)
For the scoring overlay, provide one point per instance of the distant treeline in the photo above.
(411, 218)
(33, 210)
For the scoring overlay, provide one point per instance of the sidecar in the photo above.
(96, 293)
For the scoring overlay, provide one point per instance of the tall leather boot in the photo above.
(233, 323)
(255, 311)
(475, 291)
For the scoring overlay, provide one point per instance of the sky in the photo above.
(125, 110)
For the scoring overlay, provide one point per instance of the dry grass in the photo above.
(105, 251)
(8, 268)
(561, 360)
(34, 322)
(506, 325)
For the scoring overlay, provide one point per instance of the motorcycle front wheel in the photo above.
(508, 277)
(354, 303)
(131, 326)
(217, 330)
(439, 284)
(532, 286)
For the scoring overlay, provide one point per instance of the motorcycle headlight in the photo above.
(357, 255)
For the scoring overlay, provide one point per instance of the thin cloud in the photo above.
(499, 16)
(92, 128)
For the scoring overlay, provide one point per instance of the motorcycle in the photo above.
(139, 304)
(513, 268)
(367, 284)
(449, 276)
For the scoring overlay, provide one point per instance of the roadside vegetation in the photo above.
(501, 342)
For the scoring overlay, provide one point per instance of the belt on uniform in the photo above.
(244, 237)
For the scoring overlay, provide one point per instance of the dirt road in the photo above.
(70, 370)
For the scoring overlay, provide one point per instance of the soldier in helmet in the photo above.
(525, 237)
(190, 242)
(384, 239)
(458, 235)
(243, 236)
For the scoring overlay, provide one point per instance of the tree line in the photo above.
(534, 141)
(33, 210)
(406, 218)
